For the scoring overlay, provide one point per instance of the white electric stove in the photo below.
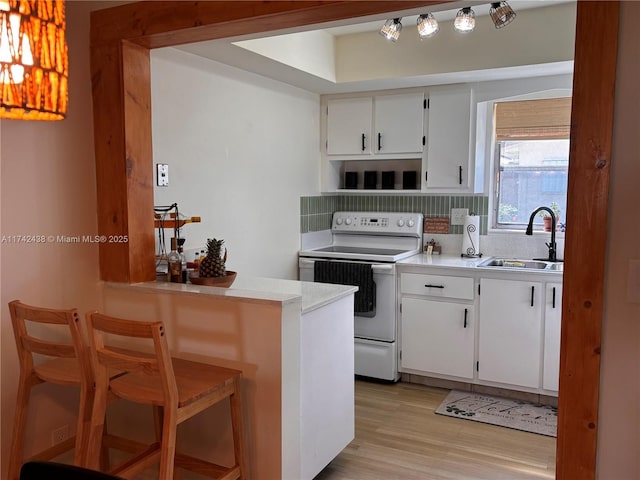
(379, 239)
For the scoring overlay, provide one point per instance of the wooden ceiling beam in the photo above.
(164, 24)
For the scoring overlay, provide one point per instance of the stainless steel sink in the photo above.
(558, 267)
(515, 263)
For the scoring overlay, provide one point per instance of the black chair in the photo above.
(60, 471)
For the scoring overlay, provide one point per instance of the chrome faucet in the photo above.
(551, 246)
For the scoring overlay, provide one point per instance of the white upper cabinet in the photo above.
(398, 123)
(449, 163)
(349, 126)
(380, 125)
(430, 140)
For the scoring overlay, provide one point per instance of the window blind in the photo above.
(533, 119)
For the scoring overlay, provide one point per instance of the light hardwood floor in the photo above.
(398, 436)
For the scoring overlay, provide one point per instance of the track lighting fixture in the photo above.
(427, 26)
(391, 29)
(501, 14)
(465, 20)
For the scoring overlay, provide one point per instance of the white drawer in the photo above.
(437, 285)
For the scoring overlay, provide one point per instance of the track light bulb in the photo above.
(427, 26)
(391, 29)
(465, 20)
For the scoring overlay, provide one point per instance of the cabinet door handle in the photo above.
(460, 174)
(434, 286)
(363, 142)
(553, 298)
(379, 141)
(465, 317)
(533, 289)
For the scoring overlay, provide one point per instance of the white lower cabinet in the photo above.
(499, 329)
(552, 324)
(437, 324)
(438, 337)
(510, 332)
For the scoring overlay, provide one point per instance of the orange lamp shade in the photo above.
(34, 60)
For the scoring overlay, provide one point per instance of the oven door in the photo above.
(381, 326)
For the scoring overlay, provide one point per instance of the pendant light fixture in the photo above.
(391, 29)
(427, 26)
(465, 20)
(501, 14)
(34, 65)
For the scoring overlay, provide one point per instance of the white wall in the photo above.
(241, 150)
(619, 423)
(312, 52)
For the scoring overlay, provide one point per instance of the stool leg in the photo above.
(94, 451)
(16, 455)
(84, 424)
(237, 426)
(168, 446)
(158, 426)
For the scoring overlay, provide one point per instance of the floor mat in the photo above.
(500, 411)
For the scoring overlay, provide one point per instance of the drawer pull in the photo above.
(465, 317)
(434, 286)
(554, 298)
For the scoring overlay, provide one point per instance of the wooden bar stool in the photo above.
(68, 365)
(179, 387)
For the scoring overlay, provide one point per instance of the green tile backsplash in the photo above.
(316, 212)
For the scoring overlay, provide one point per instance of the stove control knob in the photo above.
(401, 223)
(339, 220)
(410, 223)
(348, 221)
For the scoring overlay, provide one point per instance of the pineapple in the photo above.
(213, 265)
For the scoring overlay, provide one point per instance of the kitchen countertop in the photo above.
(257, 290)
(472, 264)
(448, 261)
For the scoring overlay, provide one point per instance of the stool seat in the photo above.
(194, 380)
(63, 371)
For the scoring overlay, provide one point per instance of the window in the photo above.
(532, 159)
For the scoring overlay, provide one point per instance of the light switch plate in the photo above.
(162, 174)
(457, 215)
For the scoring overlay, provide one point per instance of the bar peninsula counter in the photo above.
(293, 342)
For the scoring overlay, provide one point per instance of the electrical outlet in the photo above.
(59, 435)
(162, 174)
(457, 215)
